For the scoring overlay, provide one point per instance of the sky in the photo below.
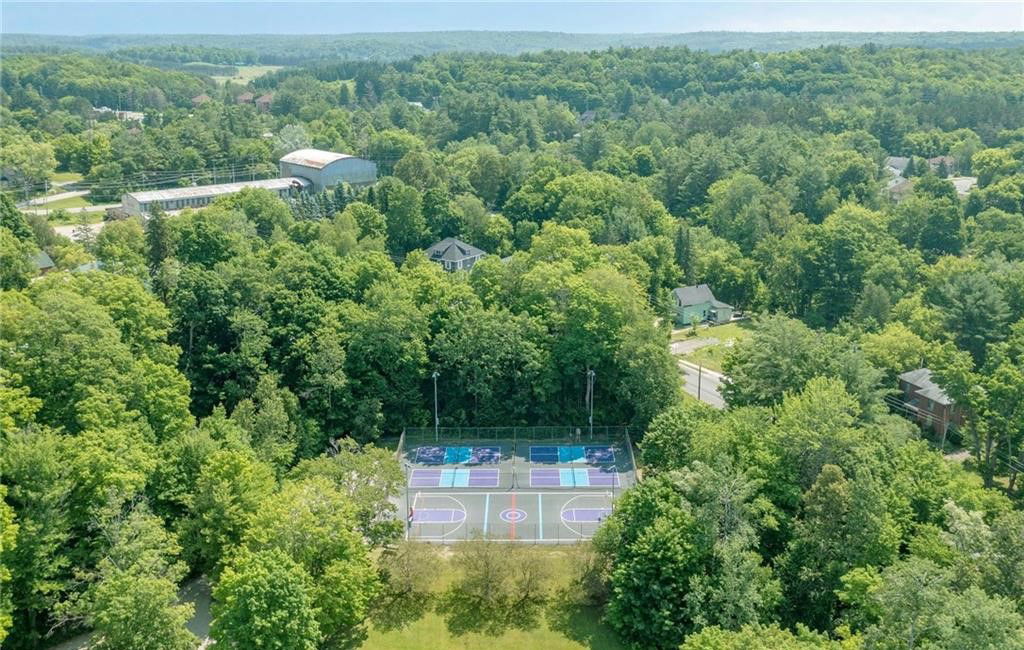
(83, 17)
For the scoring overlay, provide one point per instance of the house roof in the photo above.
(697, 294)
(450, 249)
(215, 190)
(265, 98)
(314, 158)
(88, 266)
(200, 99)
(899, 163)
(245, 97)
(921, 380)
(963, 184)
(42, 260)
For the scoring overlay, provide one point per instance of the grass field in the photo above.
(68, 204)
(247, 73)
(74, 217)
(564, 625)
(711, 356)
(66, 177)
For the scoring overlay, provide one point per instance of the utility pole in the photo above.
(437, 420)
(700, 375)
(590, 399)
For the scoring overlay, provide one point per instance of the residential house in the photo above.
(263, 102)
(699, 301)
(43, 262)
(896, 165)
(898, 188)
(942, 163)
(245, 98)
(199, 100)
(928, 403)
(453, 254)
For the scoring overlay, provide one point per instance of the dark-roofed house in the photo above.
(43, 262)
(927, 402)
(263, 102)
(698, 301)
(453, 254)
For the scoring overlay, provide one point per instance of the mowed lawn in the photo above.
(66, 177)
(564, 624)
(713, 355)
(67, 204)
(247, 73)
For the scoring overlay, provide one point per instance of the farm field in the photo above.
(247, 73)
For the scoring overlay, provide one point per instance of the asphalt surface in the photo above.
(703, 384)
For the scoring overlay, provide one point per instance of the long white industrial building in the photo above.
(179, 198)
(302, 170)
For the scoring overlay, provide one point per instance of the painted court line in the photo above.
(540, 516)
(487, 510)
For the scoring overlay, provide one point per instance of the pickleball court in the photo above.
(519, 489)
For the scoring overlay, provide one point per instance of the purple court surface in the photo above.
(454, 478)
(561, 477)
(585, 515)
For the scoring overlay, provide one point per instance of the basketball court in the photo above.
(542, 486)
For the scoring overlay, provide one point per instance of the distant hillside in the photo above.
(297, 49)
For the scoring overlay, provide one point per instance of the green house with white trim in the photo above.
(699, 301)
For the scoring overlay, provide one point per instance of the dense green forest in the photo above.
(295, 50)
(217, 399)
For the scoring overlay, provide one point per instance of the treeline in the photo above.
(279, 49)
(163, 55)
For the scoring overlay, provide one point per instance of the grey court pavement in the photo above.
(703, 384)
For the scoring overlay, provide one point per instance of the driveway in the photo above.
(687, 346)
(703, 384)
(69, 231)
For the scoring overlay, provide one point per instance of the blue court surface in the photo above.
(437, 455)
(570, 454)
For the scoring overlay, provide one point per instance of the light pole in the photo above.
(437, 421)
(590, 399)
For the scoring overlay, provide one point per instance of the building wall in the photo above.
(722, 314)
(354, 171)
(460, 265)
(684, 315)
(931, 414)
(130, 205)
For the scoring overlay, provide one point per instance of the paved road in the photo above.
(704, 384)
(88, 208)
(195, 591)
